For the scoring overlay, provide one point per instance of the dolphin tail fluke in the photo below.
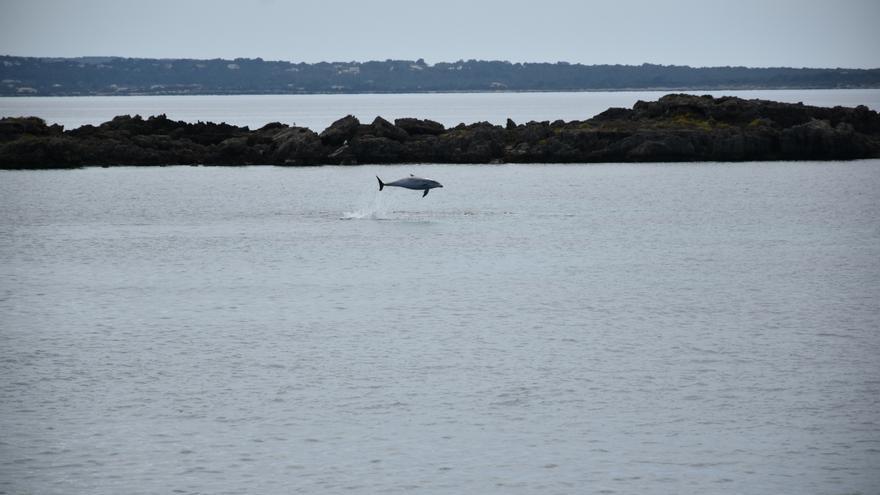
(425, 193)
(381, 184)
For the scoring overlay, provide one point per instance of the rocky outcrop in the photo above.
(416, 127)
(674, 128)
(11, 129)
(340, 131)
(296, 146)
(384, 129)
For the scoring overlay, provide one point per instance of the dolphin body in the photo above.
(412, 182)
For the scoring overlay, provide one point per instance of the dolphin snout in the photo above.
(439, 185)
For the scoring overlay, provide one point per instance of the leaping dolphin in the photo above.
(412, 182)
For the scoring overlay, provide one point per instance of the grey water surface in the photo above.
(651, 329)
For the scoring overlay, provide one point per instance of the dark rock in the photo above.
(660, 148)
(31, 151)
(478, 143)
(416, 127)
(555, 150)
(273, 126)
(377, 150)
(297, 145)
(520, 152)
(236, 149)
(673, 128)
(615, 113)
(532, 132)
(382, 128)
(201, 133)
(344, 155)
(340, 131)
(818, 140)
(14, 127)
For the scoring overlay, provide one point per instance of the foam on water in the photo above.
(397, 204)
(377, 209)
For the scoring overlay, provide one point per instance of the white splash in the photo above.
(378, 209)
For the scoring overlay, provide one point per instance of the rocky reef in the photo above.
(677, 127)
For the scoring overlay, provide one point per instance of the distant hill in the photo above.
(28, 76)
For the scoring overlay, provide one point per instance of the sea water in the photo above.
(619, 328)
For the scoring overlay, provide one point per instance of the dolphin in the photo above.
(412, 182)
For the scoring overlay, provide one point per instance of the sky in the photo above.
(755, 33)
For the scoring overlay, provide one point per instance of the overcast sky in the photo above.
(759, 33)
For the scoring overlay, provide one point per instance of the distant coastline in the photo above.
(462, 91)
(677, 127)
(110, 76)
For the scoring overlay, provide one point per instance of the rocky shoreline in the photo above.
(676, 128)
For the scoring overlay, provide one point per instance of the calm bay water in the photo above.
(675, 328)
(319, 111)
